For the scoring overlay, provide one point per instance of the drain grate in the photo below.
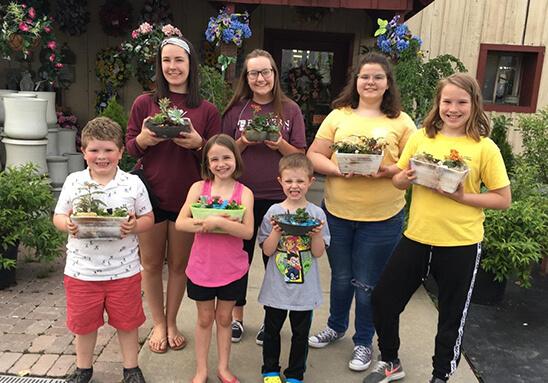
(18, 379)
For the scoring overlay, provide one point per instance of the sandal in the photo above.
(163, 343)
(171, 341)
(223, 380)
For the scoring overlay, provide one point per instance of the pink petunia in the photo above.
(32, 13)
(135, 34)
(23, 27)
(59, 65)
(47, 29)
(52, 45)
(23, 6)
(145, 27)
(52, 57)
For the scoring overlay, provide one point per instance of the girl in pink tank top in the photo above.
(217, 262)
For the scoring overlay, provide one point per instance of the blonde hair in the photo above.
(296, 161)
(477, 125)
(102, 129)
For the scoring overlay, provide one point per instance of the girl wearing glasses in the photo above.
(259, 93)
(364, 213)
(170, 166)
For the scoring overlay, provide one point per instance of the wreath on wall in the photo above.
(112, 67)
(72, 16)
(304, 85)
(156, 12)
(115, 17)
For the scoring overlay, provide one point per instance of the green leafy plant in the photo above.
(452, 161)
(26, 202)
(88, 205)
(213, 87)
(359, 145)
(263, 123)
(499, 137)
(168, 115)
(534, 130)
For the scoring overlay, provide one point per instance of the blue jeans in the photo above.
(357, 255)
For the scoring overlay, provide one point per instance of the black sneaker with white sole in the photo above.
(259, 339)
(237, 331)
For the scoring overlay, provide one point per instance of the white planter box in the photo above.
(363, 164)
(434, 176)
(103, 228)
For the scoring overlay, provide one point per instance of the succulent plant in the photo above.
(168, 115)
(359, 145)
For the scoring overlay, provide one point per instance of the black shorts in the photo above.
(164, 215)
(232, 292)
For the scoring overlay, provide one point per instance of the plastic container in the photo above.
(168, 131)
(363, 164)
(435, 176)
(203, 213)
(284, 221)
(99, 228)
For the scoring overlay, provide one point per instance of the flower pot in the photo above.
(75, 162)
(25, 117)
(203, 213)
(3, 92)
(363, 164)
(255, 136)
(15, 41)
(435, 176)
(57, 169)
(51, 116)
(487, 291)
(20, 152)
(168, 131)
(272, 136)
(99, 228)
(53, 142)
(292, 228)
(67, 141)
(7, 276)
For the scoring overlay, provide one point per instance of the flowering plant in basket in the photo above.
(445, 174)
(207, 206)
(359, 154)
(298, 223)
(169, 122)
(228, 28)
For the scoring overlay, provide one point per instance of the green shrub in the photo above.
(534, 129)
(214, 88)
(499, 136)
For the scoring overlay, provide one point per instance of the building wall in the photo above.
(458, 27)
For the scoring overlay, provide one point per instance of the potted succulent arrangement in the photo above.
(262, 127)
(26, 203)
(94, 219)
(298, 223)
(359, 154)
(169, 122)
(207, 206)
(434, 173)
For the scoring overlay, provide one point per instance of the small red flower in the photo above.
(47, 29)
(32, 13)
(52, 45)
(59, 65)
(23, 27)
(52, 57)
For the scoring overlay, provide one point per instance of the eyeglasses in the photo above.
(254, 74)
(374, 78)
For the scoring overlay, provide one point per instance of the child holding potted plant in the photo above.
(104, 275)
(445, 229)
(259, 94)
(291, 283)
(218, 264)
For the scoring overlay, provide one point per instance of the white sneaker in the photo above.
(324, 337)
(361, 358)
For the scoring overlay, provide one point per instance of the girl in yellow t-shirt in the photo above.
(445, 229)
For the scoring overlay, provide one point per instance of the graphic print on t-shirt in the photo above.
(293, 257)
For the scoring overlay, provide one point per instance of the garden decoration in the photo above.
(156, 12)
(115, 17)
(262, 127)
(359, 154)
(141, 50)
(298, 223)
(228, 28)
(94, 219)
(444, 174)
(72, 16)
(170, 122)
(207, 206)
(112, 68)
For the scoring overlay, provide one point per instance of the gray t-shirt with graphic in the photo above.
(292, 279)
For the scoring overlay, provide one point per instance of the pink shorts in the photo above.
(88, 300)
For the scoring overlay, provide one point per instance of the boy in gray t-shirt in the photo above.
(292, 282)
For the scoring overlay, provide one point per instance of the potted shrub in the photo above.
(262, 127)
(298, 223)
(169, 122)
(217, 206)
(445, 174)
(94, 219)
(359, 154)
(26, 202)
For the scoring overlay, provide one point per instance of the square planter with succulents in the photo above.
(298, 223)
(444, 174)
(262, 127)
(170, 122)
(359, 154)
(94, 219)
(207, 206)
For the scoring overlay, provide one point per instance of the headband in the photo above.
(176, 41)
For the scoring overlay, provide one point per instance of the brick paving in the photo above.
(33, 338)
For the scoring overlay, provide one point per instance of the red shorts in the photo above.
(88, 300)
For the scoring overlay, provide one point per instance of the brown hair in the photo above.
(228, 142)
(243, 91)
(194, 99)
(296, 161)
(349, 97)
(102, 129)
(478, 123)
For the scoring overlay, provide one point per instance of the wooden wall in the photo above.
(458, 27)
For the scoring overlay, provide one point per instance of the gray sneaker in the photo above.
(436, 380)
(385, 372)
(361, 358)
(324, 337)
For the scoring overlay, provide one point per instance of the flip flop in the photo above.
(171, 342)
(163, 342)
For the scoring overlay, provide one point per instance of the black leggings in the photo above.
(454, 270)
(260, 207)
